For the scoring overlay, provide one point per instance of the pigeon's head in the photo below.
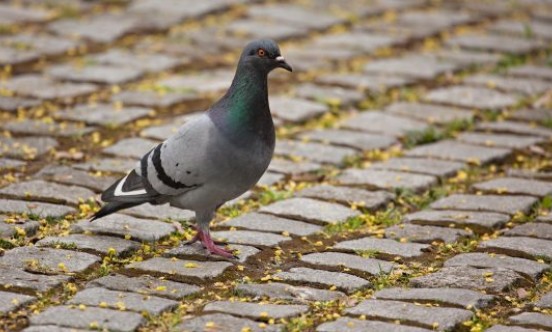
(265, 55)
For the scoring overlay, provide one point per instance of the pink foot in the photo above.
(207, 242)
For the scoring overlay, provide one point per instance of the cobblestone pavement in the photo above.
(410, 191)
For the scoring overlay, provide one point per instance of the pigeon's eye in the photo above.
(261, 52)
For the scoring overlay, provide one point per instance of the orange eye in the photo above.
(261, 52)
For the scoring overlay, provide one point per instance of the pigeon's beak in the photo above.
(283, 64)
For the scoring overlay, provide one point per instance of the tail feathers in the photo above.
(113, 207)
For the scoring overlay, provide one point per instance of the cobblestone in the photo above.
(47, 191)
(440, 168)
(343, 281)
(346, 324)
(104, 245)
(471, 97)
(17, 280)
(317, 152)
(512, 127)
(250, 238)
(26, 148)
(70, 176)
(519, 246)
(500, 140)
(527, 267)
(491, 203)
(383, 123)
(493, 43)
(48, 260)
(39, 209)
(227, 322)
(515, 186)
(455, 297)
(533, 320)
(179, 270)
(270, 223)
(103, 114)
(384, 247)
(348, 261)
(452, 150)
(280, 291)
(370, 200)
(425, 234)
(197, 252)
(429, 113)
(383, 179)
(256, 310)
(12, 301)
(478, 221)
(350, 139)
(47, 89)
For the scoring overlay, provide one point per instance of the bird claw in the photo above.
(208, 243)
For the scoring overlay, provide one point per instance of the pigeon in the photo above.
(214, 158)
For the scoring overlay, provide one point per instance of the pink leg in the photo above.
(208, 243)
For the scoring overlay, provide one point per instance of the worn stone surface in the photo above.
(285, 166)
(489, 279)
(26, 148)
(539, 230)
(527, 29)
(47, 191)
(519, 246)
(12, 301)
(346, 324)
(161, 212)
(509, 84)
(280, 291)
(10, 164)
(317, 152)
(545, 301)
(527, 267)
(48, 260)
(471, 97)
(257, 310)
(52, 328)
(204, 83)
(47, 89)
(106, 298)
(429, 113)
(113, 165)
(371, 200)
(512, 127)
(328, 94)
(124, 226)
(455, 297)
(531, 70)
(425, 234)
(532, 115)
(104, 114)
(67, 316)
(384, 247)
(96, 244)
(35, 208)
(224, 322)
(96, 73)
(37, 127)
(343, 281)
(351, 139)
(413, 65)
(478, 221)
(270, 223)
(269, 179)
(180, 270)
(383, 123)
(441, 319)
(153, 99)
(452, 150)
(500, 140)
(509, 185)
(310, 210)
(18, 280)
(491, 203)
(148, 62)
(504, 328)
(373, 83)
(353, 262)
(196, 251)
(295, 15)
(440, 168)
(146, 285)
(252, 238)
(493, 43)
(295, 109)
(70, 176)
(384, 179)
(533, 320)
(10, 226)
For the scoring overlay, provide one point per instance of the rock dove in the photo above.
(214, 158)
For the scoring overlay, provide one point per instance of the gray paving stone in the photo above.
(176, 11)
(529, 174)
(45, 88)
(108, 115)
(452, 150)
(160, 212)
(196, 252)
(353, 262)
(269, 179)
(455, 297)
(26, 148)
(47, 191)
(494, 43)
(439, 18)
(269, 223)
(412, 65)
(425, 234)
(467, 58)
(534, 229)
(37, 127)
(29, 44)
(179, 270)
(251, 238)
(39, 209)
(280, 291)
(70, 176)
(527, 86)
(504, 328)
(12, 301)
(295, 109)
(224, 322)
(489, 280)
(355, 41)
(352, 139)
(285, 166)
(131, 147)
(123, 226)
(500, 140)
(214, 81)
(310, 210)
(319, 278)
(526, 267)
(384, 248)
(440, 319)
(511, 127)
(519, 246)
(384, 179)
(346, 324)
(95, 73)
(471, 97)
(49, 260)
(295, 15)
(328, 94)
(94, 243)
(526, 29)
(66, 316)
(10, 14)
(480, 222)
(265, 29)
(18, 280)
(317, 152)
(530, 70)
(257, 310)
(429, 113)
(148, 62)
(366, 82)
(532, 115)
(491, 203)
(383, 123)
(8, 226)
(105, 298)
(440, 168)
(52, 328)
(111, 165)
(11, 56)
(509, 185)
(152, 99)
(545, 301)
(533, 320)
(371, 200)
(146, 285)
(12, 104)
(9, 164)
